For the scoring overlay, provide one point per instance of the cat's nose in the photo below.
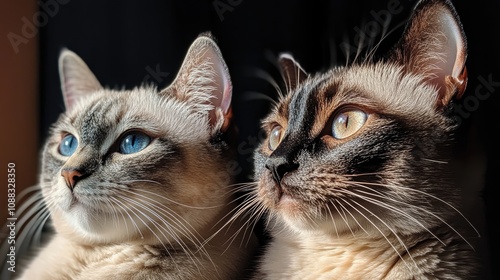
(279, 166)
(71, 176)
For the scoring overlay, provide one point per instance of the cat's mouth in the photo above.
(278, 195)
(76, 202)
(84, 200)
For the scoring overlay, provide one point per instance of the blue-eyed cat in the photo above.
(352, 173)
(136, 181)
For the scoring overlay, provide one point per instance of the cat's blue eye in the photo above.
(68, 145)
(134, 142)
(348, 122)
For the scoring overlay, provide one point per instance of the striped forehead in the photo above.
(305, 105)
(96, 122)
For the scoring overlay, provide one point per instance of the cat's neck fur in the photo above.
(360, 255)
(140, 260)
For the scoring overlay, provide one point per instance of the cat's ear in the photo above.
(76, 78)
(434, 45)
(203, 81)
(292, 72)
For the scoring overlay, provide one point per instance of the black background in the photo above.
(124, 41)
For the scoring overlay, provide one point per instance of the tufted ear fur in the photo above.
(204, 80)
(434, 45)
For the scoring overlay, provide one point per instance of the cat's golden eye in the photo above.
(275, 137)
(348, 122)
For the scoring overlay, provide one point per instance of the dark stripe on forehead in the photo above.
(94, 124)
(303, 107)
(119, 114)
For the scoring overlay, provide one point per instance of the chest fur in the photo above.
(364, 258)
(63, 260)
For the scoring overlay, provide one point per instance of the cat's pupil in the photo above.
(343, 120)
(134, 142)
(347, 123)
(68, 145)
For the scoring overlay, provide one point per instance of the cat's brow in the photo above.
(94, 123)
(304, 107)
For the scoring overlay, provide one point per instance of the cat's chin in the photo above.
(299, 216)
(276, 200)
(319, 225)
(79, 222)
(315, 222)
(291, 211)
(85, 225)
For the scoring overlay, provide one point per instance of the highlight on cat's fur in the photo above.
(136, 181)
(352, 175)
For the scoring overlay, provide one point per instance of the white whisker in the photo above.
(431, 196)
(435, 160)
(166, 227)
(175, 216)
(382, 234)
(344, 217)
(397, 210)
(267, 77)
(178, 203)
(125, 210)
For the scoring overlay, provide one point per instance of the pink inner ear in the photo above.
(69, 94)
(451, 52)
(433, 45)
(76, 78)
(222, 93)
(459, 51)
(226, 100)
(437, 49)
(223, 97)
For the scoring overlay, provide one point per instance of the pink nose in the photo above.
(71, 176)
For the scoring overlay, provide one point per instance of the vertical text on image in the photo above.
(11, 219)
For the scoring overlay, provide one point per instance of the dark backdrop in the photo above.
(128, 42)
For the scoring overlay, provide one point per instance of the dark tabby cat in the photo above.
(352, 173)
(135, 181)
